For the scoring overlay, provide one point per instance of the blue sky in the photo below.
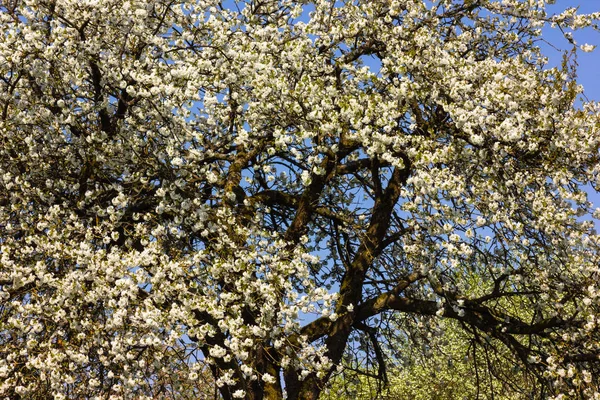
(589, 63)
(588, 73)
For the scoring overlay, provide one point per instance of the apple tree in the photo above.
(271, 191)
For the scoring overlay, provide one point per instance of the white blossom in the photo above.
(195, 193)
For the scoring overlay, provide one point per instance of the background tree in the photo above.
(443, 362)
(184, 184)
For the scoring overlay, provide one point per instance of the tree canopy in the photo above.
(281, 193)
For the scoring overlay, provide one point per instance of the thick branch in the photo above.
(473, 314)
(321, 326)
(275, 197)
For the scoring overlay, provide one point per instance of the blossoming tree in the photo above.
(262, 187)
